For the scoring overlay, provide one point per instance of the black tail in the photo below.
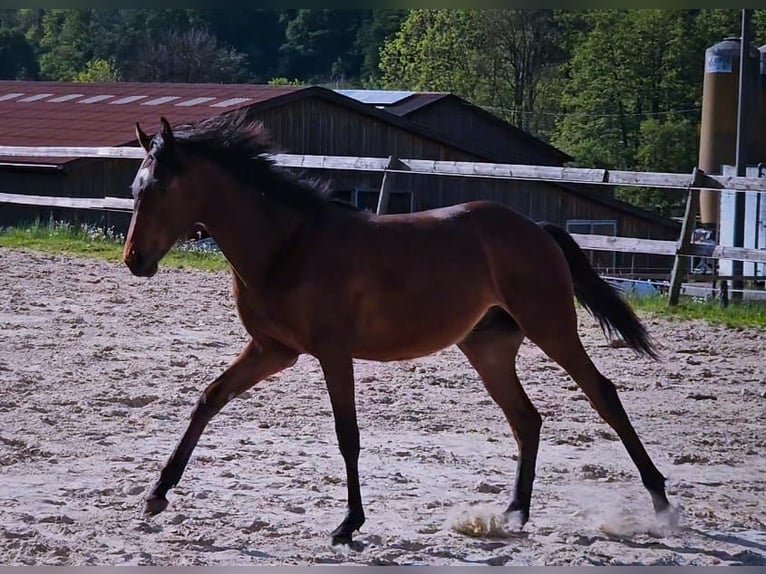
(602, 300)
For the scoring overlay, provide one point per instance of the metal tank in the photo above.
(761, 127)
(718, 133)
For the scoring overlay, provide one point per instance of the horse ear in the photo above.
(167, 131)
(143, 139)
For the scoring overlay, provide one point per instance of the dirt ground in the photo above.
(99, 372)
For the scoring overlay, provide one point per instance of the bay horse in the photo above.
(312, 276)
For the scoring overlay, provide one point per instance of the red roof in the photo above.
(104, 114)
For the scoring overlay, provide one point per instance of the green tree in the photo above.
(98, 70)
(633, 91)
(525, 48)
(375, 31)
(257, 33)
(320, 45)
(436, 50)
(66, 43)
(282, 81)
(192, 56)
(501, 59)
(17, 57)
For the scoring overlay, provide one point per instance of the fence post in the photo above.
(385, 186)
(678, 274)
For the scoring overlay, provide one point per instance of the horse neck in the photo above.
(249, 228)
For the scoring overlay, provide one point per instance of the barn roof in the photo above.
(96, 114)
(406, 104)
(104, 114)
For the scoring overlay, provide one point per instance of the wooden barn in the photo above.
(304, 120)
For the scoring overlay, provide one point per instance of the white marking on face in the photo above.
(143, 177)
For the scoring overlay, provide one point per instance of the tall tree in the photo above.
(375, 31)
(436, 50)
(525, 46)
(630, 84)
(192, 56)
(66, 43)
(502, 59)
(17, 57)
(258, 33)
(320, 45)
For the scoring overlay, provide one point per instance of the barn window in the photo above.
(398, 201)
(601, 260)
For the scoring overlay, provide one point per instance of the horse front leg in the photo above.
(254, 364)
(339, 376)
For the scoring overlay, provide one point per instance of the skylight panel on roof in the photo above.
(35, 97)
(376, 97)
(6, 97)
(160, 101)
(94, 99)
(194, 101)
(65, 98)
(128, 100)
(229, 102)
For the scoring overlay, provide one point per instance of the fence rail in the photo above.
(690, 183)
(445, 168)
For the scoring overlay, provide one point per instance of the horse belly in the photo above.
(409, 331)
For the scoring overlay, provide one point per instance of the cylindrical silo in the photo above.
(761, 127)
(718, 132)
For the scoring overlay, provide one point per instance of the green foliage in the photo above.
(379, 28)
(320, 44)
(501, 59)
(17, 56)
(664, 145)
(282, 81)
(435, 50)
(65, 45)
(191, 56)
(98, 70)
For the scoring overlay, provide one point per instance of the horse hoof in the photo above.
(515, 519)
(338, 539)
(155, 505)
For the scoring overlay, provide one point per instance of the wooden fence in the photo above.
(683, 247)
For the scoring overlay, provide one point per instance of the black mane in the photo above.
(242, 147)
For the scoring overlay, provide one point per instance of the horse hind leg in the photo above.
(553, 328)
(491, 349)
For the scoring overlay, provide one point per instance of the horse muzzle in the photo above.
(139, 264)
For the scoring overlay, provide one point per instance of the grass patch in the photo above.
(90, 241)
(737, 314)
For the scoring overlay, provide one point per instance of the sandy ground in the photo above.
(99, 372)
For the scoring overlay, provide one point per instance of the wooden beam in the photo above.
(445, 168)
(625, 244)
(73, 151)
(111, 203)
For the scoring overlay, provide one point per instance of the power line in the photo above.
(495, 109)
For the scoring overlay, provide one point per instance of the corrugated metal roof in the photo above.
(85, 114)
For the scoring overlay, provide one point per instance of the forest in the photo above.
(614, 88)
